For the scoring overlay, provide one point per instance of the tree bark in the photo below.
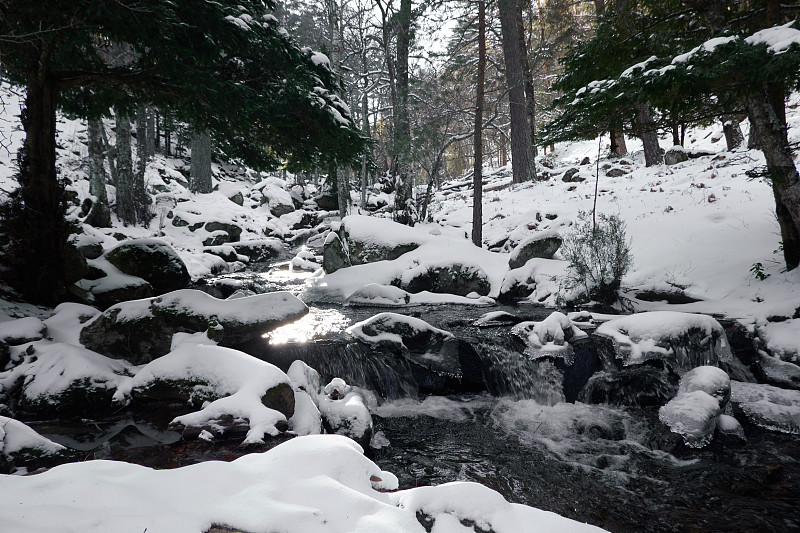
(100, 214)
(403, 208)
(785, 180)
(530, 101)
(618, 146)
(200, 169)
(647, 132)
(38, 246)
(732, 131)
(477, 174)
(521, 149)
(126, 207)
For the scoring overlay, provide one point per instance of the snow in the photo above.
(241, 380)
(22, 328)
(550, 335)
(67, 320)
(693, 415)
(314, 483)
(709, 379)
(641, 336)
(707, 46)
(55, 366)
(261, 307)
(777, 39)
(767, 406)
(16, 436)
(374, 294)
(382, 321)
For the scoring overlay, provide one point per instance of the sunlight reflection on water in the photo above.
(317, 324)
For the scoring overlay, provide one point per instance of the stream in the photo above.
(618, 468)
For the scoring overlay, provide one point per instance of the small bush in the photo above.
(598, 256)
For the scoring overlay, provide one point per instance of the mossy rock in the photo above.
(334, 255)
(281, 399)
(177, 394)
(138, 340)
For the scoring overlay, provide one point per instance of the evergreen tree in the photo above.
(200, 59)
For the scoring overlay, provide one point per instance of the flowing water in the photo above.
(598, 464)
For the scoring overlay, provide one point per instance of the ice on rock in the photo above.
(768, 407)
(550, 336)
(345, 413)
(709, 379)
(685, 340)
(692, 415)
(730, 428)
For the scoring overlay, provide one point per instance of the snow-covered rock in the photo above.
(226, 383)
(709, 379)
(22, 330)
(344, 412)
(142, 330)
(684, 340)
(692, 415)
(153, 260)
(377, 295)
(58, 378)
(540, 245)
(550, 337)
(767, 407)
(20, 445)
(307, 484)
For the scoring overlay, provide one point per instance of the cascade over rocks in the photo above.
(142, 330)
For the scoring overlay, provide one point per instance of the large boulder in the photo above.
(370, 239)
(334, 255)
(652, 383)
(683, 340)
(345, 413)
(142, 330)
(451, 279)
(439, 362)
(279, 202)
(693, 416)
(259, 250)
(234, 391)
(106, 285)
(154, 261)
(542, 244)
(767, 407)
(232, 230)
(675, 155)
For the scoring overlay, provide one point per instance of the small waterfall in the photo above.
(508, 372)
(386, 374)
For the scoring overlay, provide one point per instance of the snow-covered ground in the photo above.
(699, 227)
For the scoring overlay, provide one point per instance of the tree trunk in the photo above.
(403, 208)
(126, 205)
(477, 174)
(200, 168)
(100, 215)
(647, 132)
(618, 146)
(141, 202)
(785, 180)
(530, 101)
(521, 149)
(732, 131)
(37, 251)
(366, 133)
(676, 135)
(150, 146)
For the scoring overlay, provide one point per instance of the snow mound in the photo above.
(16, 437)
(314, 483)
(693, 416)
(377, 295)
(550, 336)
(709, 379)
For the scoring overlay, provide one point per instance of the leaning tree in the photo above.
(225, 68)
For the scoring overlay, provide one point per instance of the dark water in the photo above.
(596, 464)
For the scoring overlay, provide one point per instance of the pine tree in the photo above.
(199, 59)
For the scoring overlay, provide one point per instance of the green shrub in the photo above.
(599, 256)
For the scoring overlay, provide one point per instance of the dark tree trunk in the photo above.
(647, 132)
(37, 251)
(200, 167)
(771, 133)
(477, 175)
(403, 208)
(676, 137)
(100, 214)
(126, 205)
(521, 148)
(150, 146)
(618, 146)
(530, 101)
(732, 131)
